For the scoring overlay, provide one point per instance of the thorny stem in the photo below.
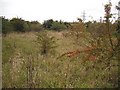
(108, 28)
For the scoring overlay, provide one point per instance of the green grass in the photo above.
(19, 49)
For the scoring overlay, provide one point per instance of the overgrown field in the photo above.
(65, 59)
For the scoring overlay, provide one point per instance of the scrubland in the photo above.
(73, 58)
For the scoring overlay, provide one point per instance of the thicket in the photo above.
(54, 25)
(19, 25)
(6, 26)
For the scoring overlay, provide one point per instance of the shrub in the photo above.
(54, 25)
(48, 23)
(57, 26)
(35, 26)
(6, 26)
(18, 24)
(46, 43)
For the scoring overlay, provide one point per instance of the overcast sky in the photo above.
(66, 10)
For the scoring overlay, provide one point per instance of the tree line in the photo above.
(20, 25)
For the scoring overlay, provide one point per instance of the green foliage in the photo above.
(26, 26)
(48, 23)
(18, 24)
(6, 26)
(35, 26)
(46, 43)
(57, 26)
(54, 25)
(108, 10)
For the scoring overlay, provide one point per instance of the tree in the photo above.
(48, 23)
(46, 43)
(108, 15)
(18, 24)
(35, 26)
(118, 27)
(55, 25)
(6, 26)
(58, 26)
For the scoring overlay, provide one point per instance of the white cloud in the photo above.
(40, 10)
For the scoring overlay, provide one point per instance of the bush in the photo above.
(54, 25)
(35, 26)
(57, 26)
(46, 43)
(48, 23)
(18, 24)
(6, 26)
